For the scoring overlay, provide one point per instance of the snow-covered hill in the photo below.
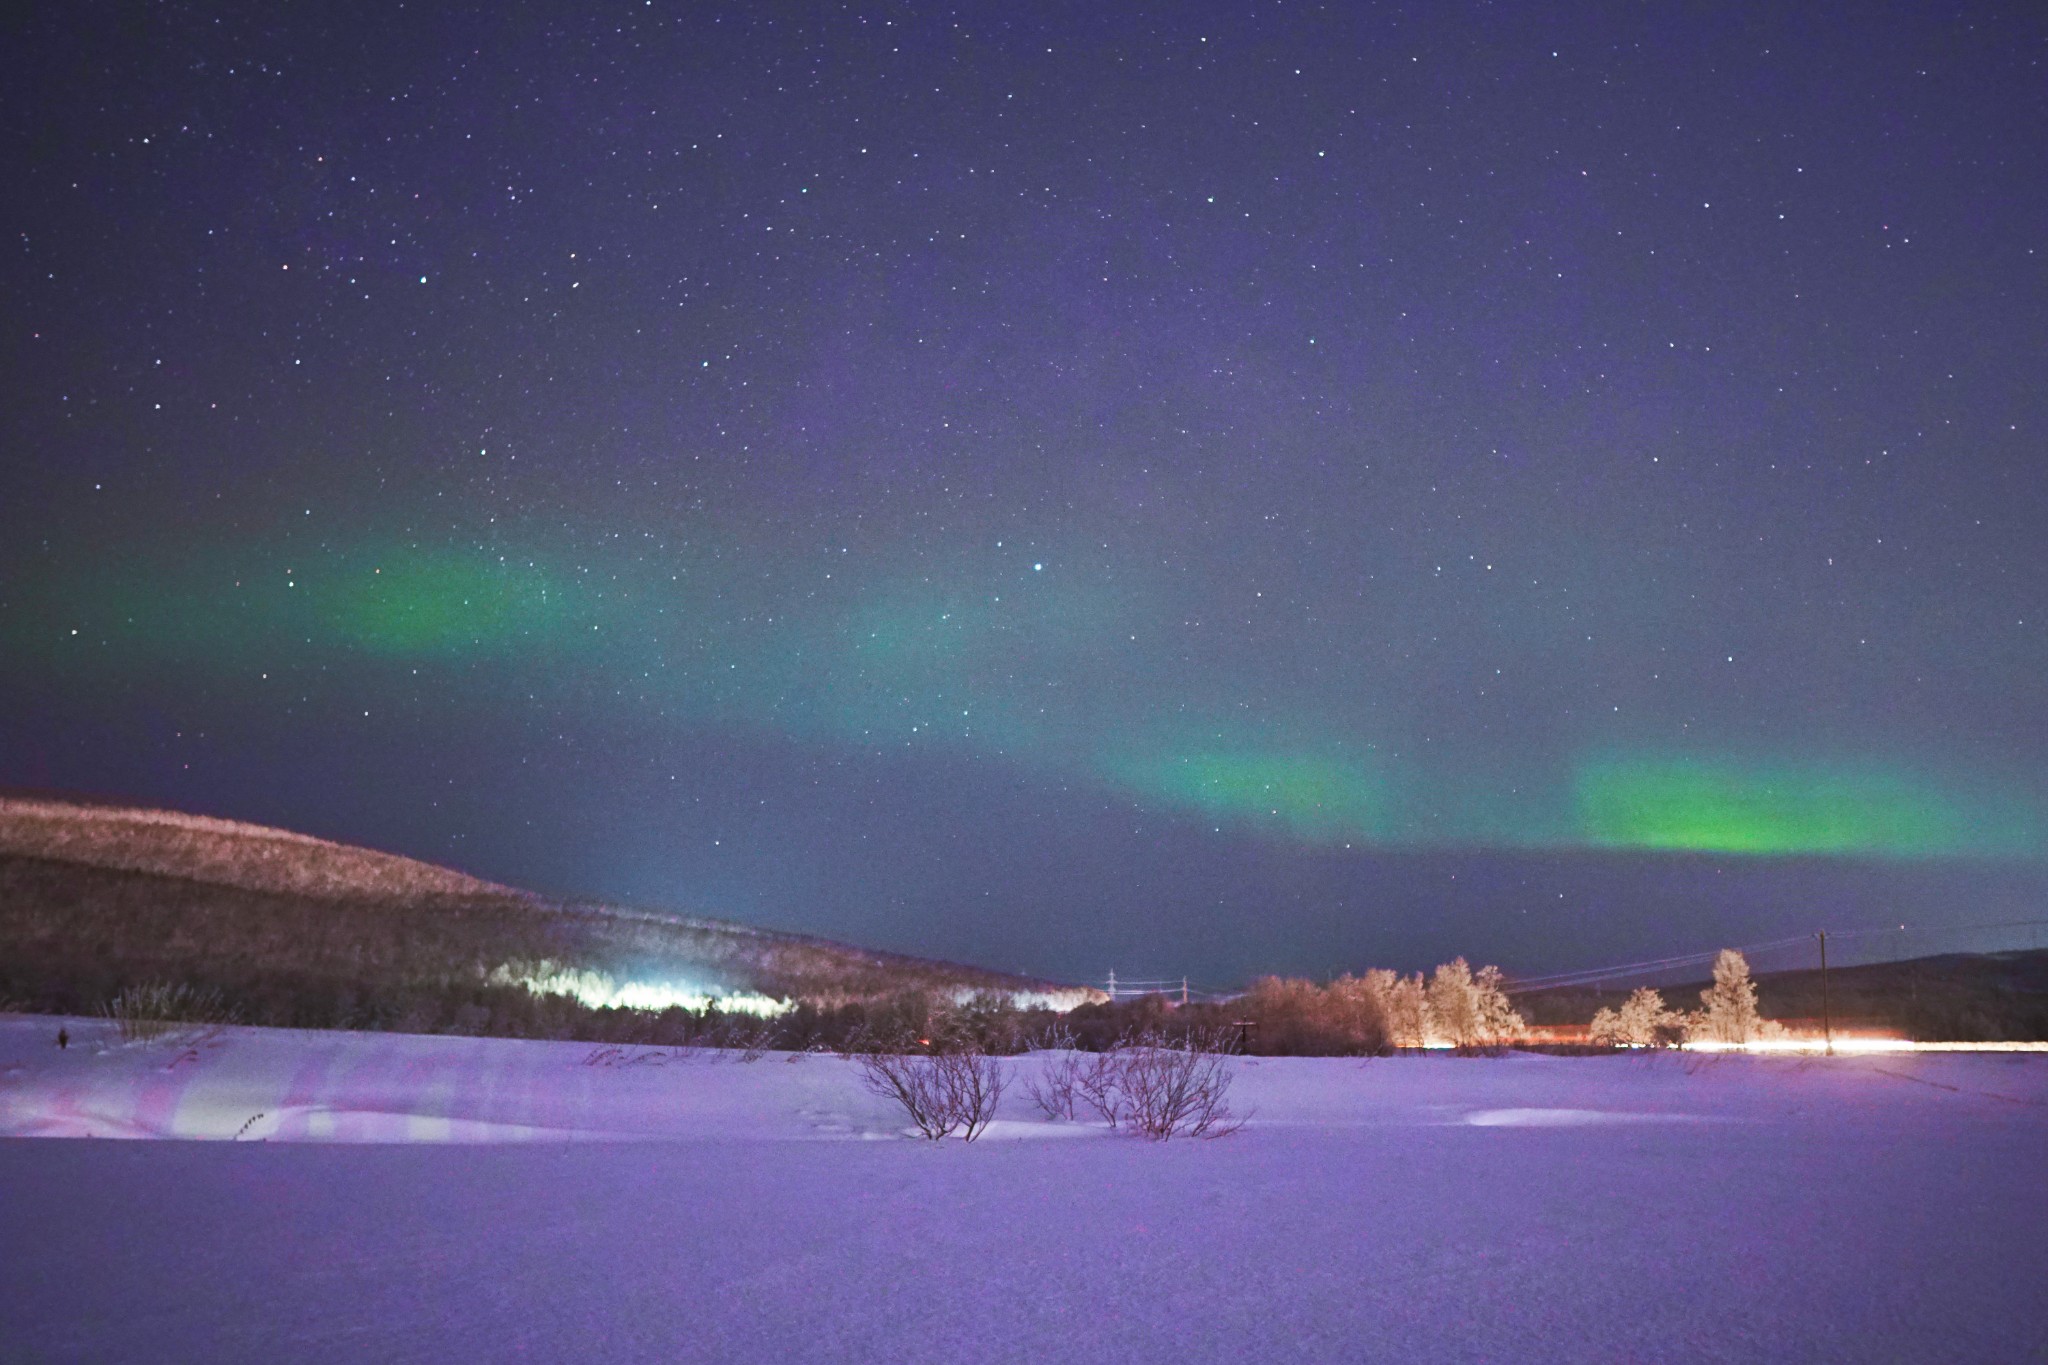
(218, 852)
(293, 929)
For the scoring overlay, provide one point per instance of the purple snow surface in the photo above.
(1434, 1209)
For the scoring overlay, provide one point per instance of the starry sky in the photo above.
(1192, 489)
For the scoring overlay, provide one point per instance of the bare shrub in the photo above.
(1056, 1036)
(758, 1041)
(736, 1036)
(914, 1082)
(1056, 1088)
(617, 1058)
(1179, 1087)
(942, 1092)
(1074, 1079)
(856, 1043)
(1157, 1084)
(150, 1010)
(1099, 1082)
(975, 1082)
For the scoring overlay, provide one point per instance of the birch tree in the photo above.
(1729, 1013)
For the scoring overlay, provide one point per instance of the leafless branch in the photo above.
(942, 1092)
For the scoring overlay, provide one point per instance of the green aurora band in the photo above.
(1308, 798)
(1783, 808)
(216, 611)
(437, 605)
(1031, 668)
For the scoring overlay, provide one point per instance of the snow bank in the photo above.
(282, 1085)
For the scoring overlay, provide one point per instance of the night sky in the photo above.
(1208, 488)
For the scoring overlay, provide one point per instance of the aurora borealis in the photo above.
(1206, 489)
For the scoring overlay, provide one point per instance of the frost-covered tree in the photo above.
(1404, 1001)
(1357, 1010)
(1498, 1021)
(1728, 1007)
(1642, 1021)
(1606, 1029)
(1453, 1007)
(1470, 1011)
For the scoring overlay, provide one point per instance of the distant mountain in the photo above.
(292, 929)
(1952, 997)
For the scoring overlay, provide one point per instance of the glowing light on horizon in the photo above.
(599, 990)
(1855, 1045)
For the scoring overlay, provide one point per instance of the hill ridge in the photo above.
(211, 849)
(95, 897)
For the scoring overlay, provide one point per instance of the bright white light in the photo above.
(1858, 1045)
(598, 990)
(1057, 1001)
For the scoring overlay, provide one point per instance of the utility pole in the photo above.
(1112, 983)
(1183, 990)
(1827, 1010)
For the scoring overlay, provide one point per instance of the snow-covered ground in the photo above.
(391, 1198)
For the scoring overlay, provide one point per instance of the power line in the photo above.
(1587, 976)
(1939, 928)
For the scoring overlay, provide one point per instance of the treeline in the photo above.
(1369, 1015)
(1379, 1012)
(486, 1009)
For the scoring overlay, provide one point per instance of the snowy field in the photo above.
(389, 1198)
